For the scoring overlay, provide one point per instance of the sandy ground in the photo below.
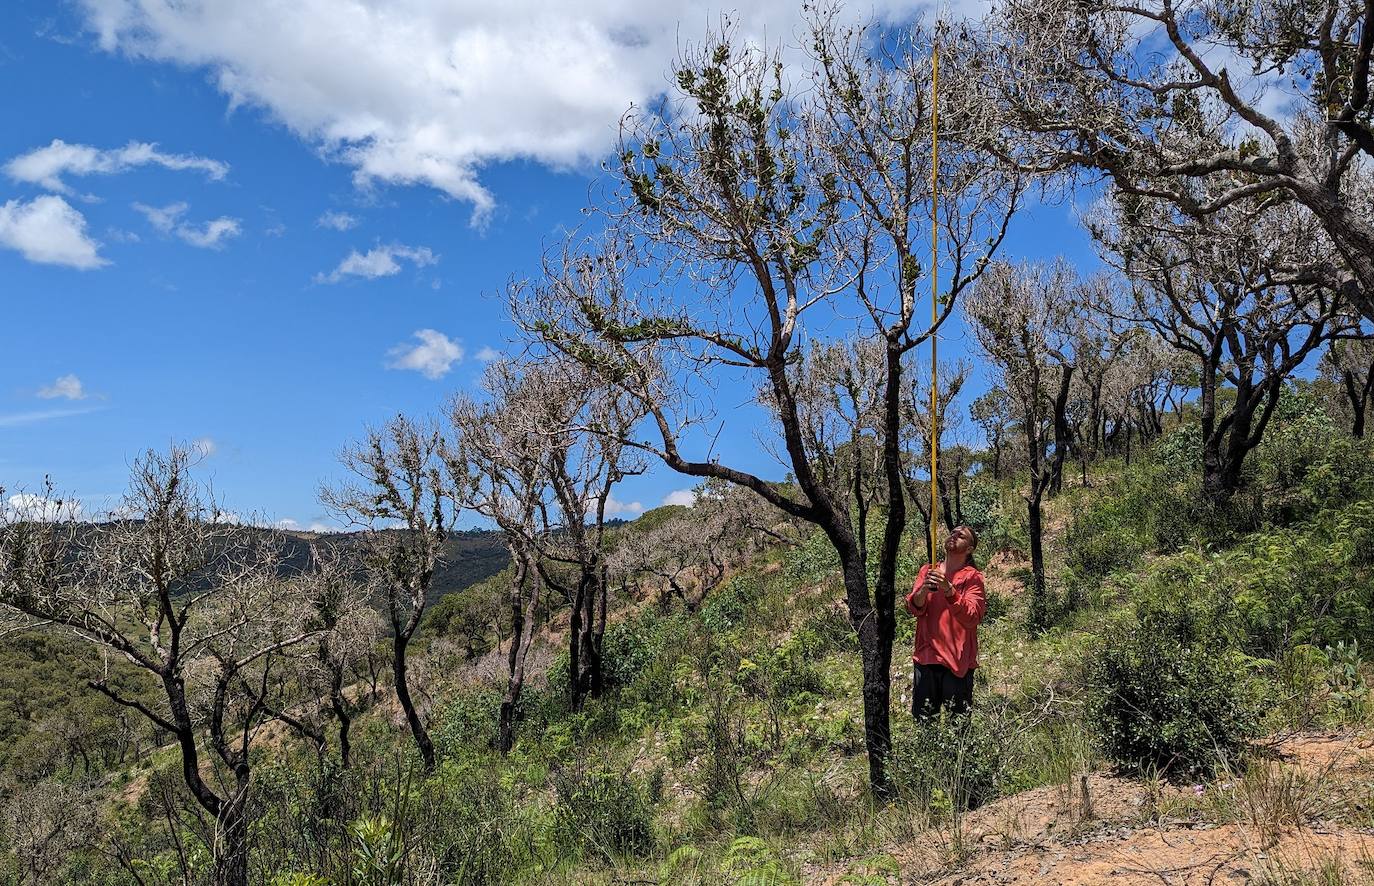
(1303, 817)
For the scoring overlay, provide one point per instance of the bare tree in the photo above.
(953, 462)
(403, 500)
(691, 552)
(45, 825)
(991, 411)
(750, 208)
(189, 599)
(335, 678)
(1202, 104)
(1350, 363)
(1022, 318)
(589, 426)
(1242, 293)
(503, 445)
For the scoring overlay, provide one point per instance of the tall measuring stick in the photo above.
(934, 292)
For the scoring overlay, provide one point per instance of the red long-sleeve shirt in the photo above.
(947, 630)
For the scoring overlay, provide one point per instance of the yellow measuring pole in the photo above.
(934, 293)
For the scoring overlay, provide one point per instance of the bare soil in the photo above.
(1302, 817)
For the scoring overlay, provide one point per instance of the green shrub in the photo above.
(472, 822)
(1167, 690)
(951, 760)
(1311, 584)
(468, 721)
(603, 810)
(732, 606)
(1179, 452)
(812, 561)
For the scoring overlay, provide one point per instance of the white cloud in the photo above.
(204, 447)
(46, 166)
(67, 387)
(210, 235)
(339, 221)
(684, 497)
(27, 506)
(432, 357)
(18, 419)
(428, 91)
(47, 230)
(294, 526)
(617, 508)
(488, 354)
(163, 218)
(378, 262)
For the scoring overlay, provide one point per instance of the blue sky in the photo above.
(182, 187)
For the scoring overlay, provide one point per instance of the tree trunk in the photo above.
(340, 707)
(1359, 399)
(1039, 605)
(231, 837)
(1351, 235)
(875, 652)
(1062, 435)
(575, 648)
(400, 642)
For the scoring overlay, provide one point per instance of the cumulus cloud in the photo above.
(684, 497)
(46, 166)
(27, 506)
(433, 357)
(204, 447)
(488, 354)
(47, 230)
(339, 221)
(379, 262)
(67, 387)
(212, 234)
(209, 235)
(617, 508)
(428, 91)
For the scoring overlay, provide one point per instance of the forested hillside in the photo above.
(1157, 459)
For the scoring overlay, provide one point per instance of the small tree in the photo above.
(991, 411)
(193, 602)
(1350, 363)
(1244, 294)
(503, 445)
(749, 208)
(402, 499)
(1022, 318)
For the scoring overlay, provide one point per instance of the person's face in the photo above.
(960, 541)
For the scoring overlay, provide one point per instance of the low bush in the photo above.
(1167, 690)
(952, 760)
(603, 810)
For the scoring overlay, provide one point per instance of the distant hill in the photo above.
(469, 555)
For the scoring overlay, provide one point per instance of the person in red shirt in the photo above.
(948, 602)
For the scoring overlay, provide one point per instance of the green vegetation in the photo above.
(728, 747)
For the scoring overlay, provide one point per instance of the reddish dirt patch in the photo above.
(1131, 833)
